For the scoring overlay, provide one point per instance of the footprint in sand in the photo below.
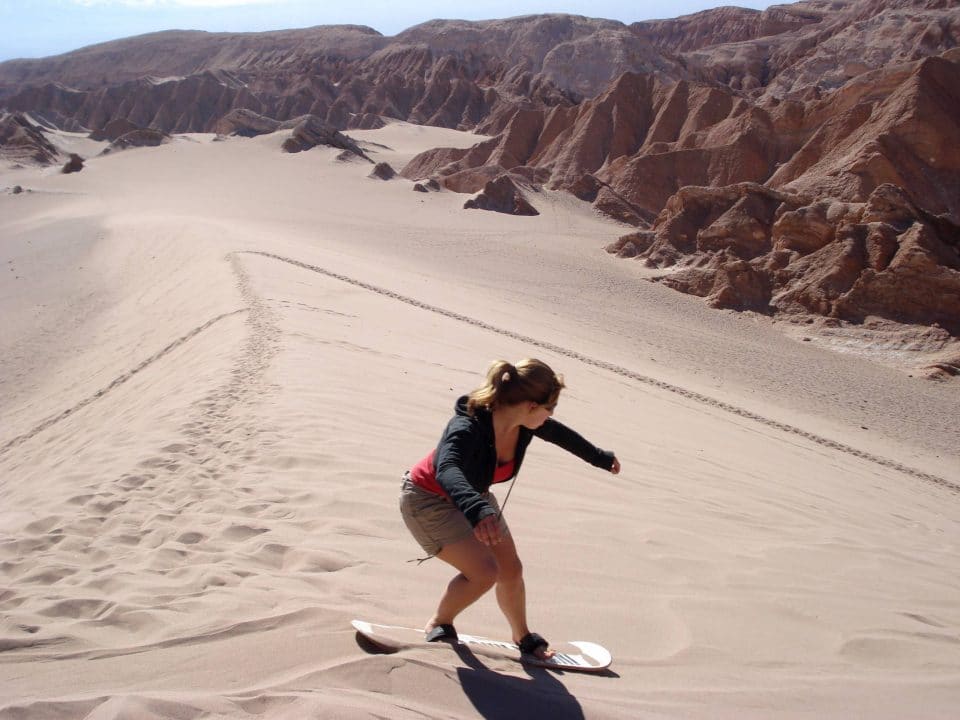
(160, 462)
(44, 525)
(271, 555)
(21, 548)
(319, 562)
(254, 509)
(191, 538)
(134, 482)
(77, 608)
(49, 576)
(243, 532)
(166, 558)
(128, 539)
(106, 506)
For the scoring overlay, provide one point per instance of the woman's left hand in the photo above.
(615, 468)
(487, 531)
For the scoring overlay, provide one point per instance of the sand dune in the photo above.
(218, 359)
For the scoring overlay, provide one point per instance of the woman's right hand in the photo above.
(487, 530)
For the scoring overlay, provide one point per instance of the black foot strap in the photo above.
(442, 633)
(531, 642)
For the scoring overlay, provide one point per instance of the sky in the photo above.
(38, 28)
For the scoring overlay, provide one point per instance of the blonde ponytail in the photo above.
(529, 380)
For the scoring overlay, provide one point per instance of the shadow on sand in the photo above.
(503, 697)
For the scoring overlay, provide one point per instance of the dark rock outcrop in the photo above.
(73, 165)
(245, 123)
(311, 131)
(383, 171)
(502, 195)
(430, 185)
(141, 137)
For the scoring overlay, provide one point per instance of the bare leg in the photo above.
(478, 572)
(480, 568)
(511, 591)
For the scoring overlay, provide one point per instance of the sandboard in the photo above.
(578, 655)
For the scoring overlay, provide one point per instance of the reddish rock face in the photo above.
(909, 138)
(885, 258)
(734, 285)
(646, 141)
(724, 25)
(844, 175)
(114, 130)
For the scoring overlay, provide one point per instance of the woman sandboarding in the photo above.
(446, 501)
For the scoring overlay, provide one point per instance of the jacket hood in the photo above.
(461, 406)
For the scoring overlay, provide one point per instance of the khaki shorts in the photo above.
(434, 521)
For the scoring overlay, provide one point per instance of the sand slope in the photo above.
(218, 359)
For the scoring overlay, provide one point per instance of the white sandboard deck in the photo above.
(574, 655)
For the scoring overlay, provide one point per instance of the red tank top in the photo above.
(424, 475)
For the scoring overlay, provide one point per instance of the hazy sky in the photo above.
(36, 28)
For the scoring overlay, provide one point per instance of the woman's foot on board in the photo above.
(534, 645)
(441, 632)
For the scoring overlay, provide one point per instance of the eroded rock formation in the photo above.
(245, 123)
(22, 141)
(311, 131)
(747, 247)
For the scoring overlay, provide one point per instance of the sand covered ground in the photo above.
(217, 360)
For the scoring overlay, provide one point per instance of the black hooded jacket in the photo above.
(466, 456)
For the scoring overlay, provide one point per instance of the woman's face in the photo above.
(538, 413)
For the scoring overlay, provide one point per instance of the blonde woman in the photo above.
(446, 501)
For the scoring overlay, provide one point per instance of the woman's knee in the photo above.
(474, 561)
(510, 569)
(485, 571)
